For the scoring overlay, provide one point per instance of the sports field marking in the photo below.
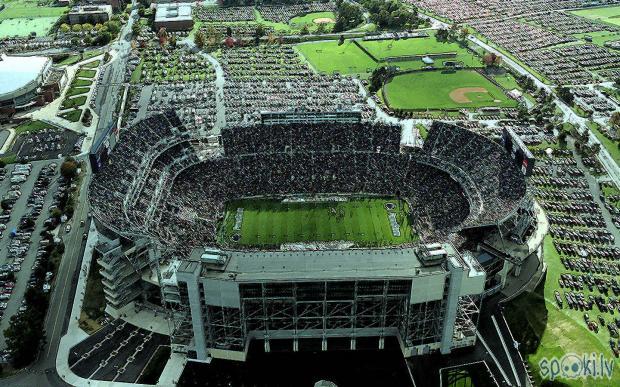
(270, 223)
(460, 95)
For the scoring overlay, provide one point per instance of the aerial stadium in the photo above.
(307, 236)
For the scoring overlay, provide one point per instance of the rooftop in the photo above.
(322, 264)
(173, 12)
(19, 71)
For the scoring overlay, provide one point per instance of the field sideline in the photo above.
(272, 222)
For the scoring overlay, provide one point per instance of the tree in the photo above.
(136, 29)
(464, 33)
(341, 40)
(442, 35)
(113, 26)
(617, 83)
(566, 95)
(64, 27)
(614, 122)
(24, 337)
(199, 39)
(321, 28)
(162, 34)
(173, 41)
(87, 27)
(103, 38)
(68, 168)
(490, 59)
(304, 30)
(87, 117)
(76, 28)
(379, 76)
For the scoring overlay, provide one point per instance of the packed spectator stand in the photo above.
(163, 182)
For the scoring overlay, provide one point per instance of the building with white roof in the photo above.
(21, 82)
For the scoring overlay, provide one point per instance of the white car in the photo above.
(67, 228)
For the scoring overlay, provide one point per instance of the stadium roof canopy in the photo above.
(17, 72)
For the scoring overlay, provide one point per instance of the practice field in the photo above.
(329, 57)
(609, 15)
(20, 17)
(24, 26)
(382, 49)
(348, 58)
(270, 223)
(444, 90)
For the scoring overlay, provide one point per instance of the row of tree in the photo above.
(392, 15)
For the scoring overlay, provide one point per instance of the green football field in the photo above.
(609, 15)
(444, 90)
(271, 222)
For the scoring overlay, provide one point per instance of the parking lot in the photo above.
(47, 144)
(25, 208)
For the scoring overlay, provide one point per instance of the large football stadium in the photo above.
(290, 233)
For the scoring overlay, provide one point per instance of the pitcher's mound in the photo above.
(324, 20)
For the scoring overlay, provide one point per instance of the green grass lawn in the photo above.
(431, 90)
(610, 145)
(77, 91)
(86, 74)
(73, 59)
(29, 9)
(298, 22)
(545, 330)
(31, 126)
(91, 65)
(23, 26)
(507, 81)
(73, 115)
(271, 222)
(81, 83)
(609, 15)
(73, 102)
(329, 57)
(20, 17)
(382, 49)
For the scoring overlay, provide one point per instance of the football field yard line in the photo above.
(270, 222)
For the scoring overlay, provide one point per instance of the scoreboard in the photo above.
(518, 151)
(101, 149)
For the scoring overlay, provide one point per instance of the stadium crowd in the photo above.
(158, 175)
(273, 78)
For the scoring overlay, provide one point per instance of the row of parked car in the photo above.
(21, 235)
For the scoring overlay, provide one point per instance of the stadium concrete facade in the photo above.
(158, 216)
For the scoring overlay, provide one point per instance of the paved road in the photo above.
(19, 208)
(43, 371)
(109, 94)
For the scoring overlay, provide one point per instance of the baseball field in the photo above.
(444, 90)
(273, 222)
